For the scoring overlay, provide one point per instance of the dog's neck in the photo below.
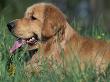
(68, 34)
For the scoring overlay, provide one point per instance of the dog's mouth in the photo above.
(23, 41)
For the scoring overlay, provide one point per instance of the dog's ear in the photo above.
(54, 21)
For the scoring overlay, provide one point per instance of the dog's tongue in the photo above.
(17, 45)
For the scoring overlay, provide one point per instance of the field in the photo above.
(12, 67)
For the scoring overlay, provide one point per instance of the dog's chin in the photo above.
(33, 47)
(32, 50)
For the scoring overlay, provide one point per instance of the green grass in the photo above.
(12, 67)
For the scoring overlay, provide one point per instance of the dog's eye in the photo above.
(33, 18)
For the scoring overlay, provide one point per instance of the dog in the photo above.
(44, 27)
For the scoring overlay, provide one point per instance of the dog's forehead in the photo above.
(29, 11)
(36, 9)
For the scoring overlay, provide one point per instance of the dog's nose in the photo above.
(11, 25)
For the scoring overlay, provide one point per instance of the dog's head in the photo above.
(40, 22)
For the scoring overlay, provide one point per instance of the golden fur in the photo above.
(56, 35)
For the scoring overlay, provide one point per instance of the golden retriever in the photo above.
(45, 27)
